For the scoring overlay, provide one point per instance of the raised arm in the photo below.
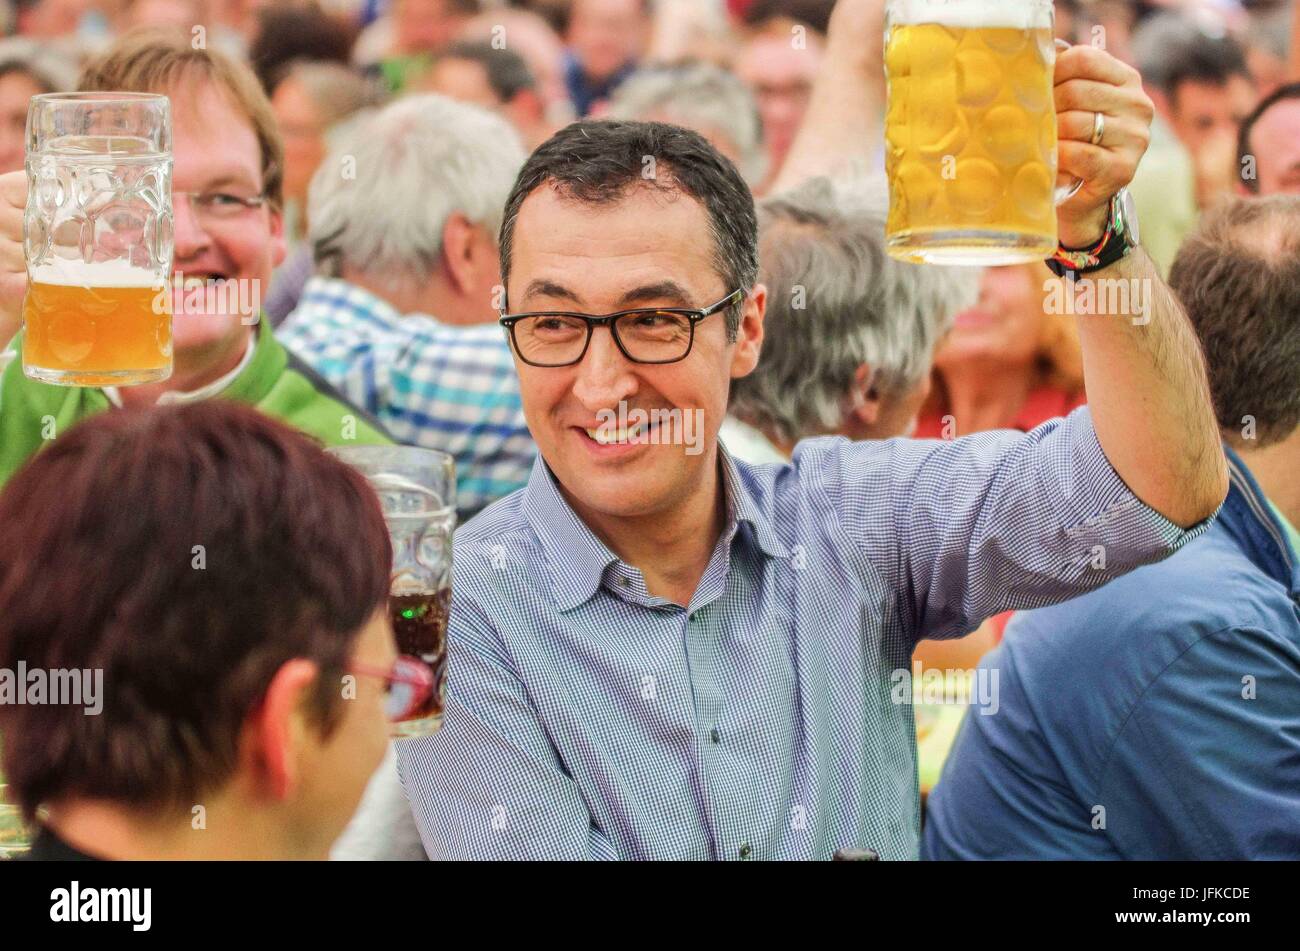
(843, 124)
(1143, 368)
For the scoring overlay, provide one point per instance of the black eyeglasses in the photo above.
(648, 335)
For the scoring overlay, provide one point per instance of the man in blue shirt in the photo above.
(1159, 718)
(660, 652)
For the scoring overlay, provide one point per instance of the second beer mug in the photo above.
(970, 131)
(98, 236)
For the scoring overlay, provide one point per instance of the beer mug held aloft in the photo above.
(98, 239)
(971, 132)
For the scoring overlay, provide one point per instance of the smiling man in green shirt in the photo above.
(228, 227)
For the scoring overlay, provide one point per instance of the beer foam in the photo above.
(1008, 14)
(64, 273)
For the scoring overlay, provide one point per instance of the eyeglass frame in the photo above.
(403, 671)
(508, 321)
(246, 204)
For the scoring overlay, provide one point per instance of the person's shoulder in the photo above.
(304, 399)
(1143, 620)
(499, 532)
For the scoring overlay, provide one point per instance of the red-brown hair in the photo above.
(101, 569)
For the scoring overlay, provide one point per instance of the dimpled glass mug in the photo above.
(98, 239)
(970, 131)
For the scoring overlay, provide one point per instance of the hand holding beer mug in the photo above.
(98, 239)
(971, 131)
(417, 492)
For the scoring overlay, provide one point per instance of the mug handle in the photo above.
(1064, 193)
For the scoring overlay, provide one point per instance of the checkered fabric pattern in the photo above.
(430, 384)
(769, 718)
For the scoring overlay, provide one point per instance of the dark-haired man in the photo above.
(1268, 148)
(662, 652)
(1159, 718)
(496, 79)
(222, 583)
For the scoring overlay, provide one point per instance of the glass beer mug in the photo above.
(970, 131)
(98, 239)
(417, 492)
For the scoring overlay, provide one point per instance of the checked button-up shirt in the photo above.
(587, 718)
(434, 385)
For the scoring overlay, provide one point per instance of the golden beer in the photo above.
(97, 236)
(970, 137)
(97, 336)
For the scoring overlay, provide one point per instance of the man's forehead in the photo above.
(211, 133)
(645, 235)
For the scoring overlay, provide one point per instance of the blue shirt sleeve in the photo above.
(1208, 764)
(968, 528)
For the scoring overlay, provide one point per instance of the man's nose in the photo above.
(188, 234)
(605, 376)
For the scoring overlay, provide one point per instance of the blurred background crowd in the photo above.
(1224, 76)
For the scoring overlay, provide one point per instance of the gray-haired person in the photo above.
(850, 333)
(705, 99)
(404, 214)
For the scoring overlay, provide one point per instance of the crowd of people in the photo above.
(461, 219)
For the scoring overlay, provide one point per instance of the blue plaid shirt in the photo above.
(430, 384)
(587, 718)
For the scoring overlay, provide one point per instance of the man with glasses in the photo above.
(228, 236)
(658, 652)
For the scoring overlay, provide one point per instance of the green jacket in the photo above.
(275, 381)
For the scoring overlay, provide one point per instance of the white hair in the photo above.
(836, 301)
(380, 200)
(701, 97)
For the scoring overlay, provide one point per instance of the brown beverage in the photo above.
(420, 626)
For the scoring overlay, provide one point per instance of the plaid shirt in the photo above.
(431, 384)
(587, 718)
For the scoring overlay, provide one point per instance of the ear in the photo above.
(864, 400)
(459, 237)
(749, 335)
(277, 732)
(279, 248)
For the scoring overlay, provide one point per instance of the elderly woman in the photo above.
(1007, 363)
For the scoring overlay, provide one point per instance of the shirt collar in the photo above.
(1246, 515)
(341, 297)
(577, 559)
(215, 388)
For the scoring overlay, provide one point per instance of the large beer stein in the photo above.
(417, 492)
(98, 239)
(970, 131)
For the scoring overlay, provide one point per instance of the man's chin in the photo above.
(196, 333)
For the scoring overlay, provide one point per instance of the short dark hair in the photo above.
(1203, 59)
(1244, 150)
(1238, 277)
(100, 570)
(21, 68)
(813, 13)
(286, 34)
(600, 161)
(507, 72)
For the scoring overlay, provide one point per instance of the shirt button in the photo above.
(745, 850)
(715, 736)
(625, 582)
